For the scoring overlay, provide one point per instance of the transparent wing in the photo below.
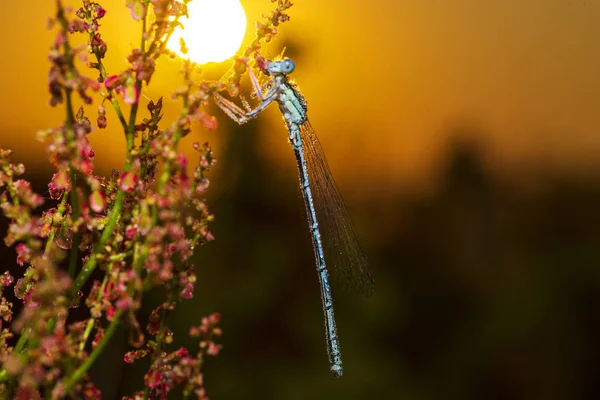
(343, 252)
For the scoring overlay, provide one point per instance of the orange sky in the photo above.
(386, 77)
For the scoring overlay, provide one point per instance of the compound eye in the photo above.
(288, 66)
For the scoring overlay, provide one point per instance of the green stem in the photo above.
(86, 333)
(90, 265)
(101, 68)
(17, 350)
(117, 109)
(138, 88)
(81, 371)
(52, 235)
(22, 341)
(103, 76)
(113, 101)
(90, 325)
(75, 201)
(164, 178)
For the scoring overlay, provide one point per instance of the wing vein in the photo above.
(343, 251)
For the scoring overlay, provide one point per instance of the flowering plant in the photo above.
(103, 242)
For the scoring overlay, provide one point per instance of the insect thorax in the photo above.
(291, 102)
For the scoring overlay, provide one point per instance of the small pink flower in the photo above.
(97, 202)
(182, 352)
(86, 167)
(80, 13)
(93, 84)
(110, 313)
(129, 357)
(188, 291)
(100, 12)
(6, 279)
(102, 121)
(209, 122)
(131, 94)
(214, 318)
(131, 231)
(90, 392)
(112, 82)
(132, 356)
(23, 254)
(60, 181)
(153, 378)
(213, 348)
(97, 338)
(137, 8)
(124, 303)
(128, 181)
(28, 301)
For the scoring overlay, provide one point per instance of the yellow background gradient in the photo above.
(386, 80)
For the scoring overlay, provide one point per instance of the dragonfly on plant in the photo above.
(332, 232)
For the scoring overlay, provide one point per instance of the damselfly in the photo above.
(321, 196)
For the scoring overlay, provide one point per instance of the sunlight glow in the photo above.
(214, 31)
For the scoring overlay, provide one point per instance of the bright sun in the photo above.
(214, 31)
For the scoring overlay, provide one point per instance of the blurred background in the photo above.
(464, 137)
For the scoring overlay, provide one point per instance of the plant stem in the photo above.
(90, 265)
(71, 140)
(108, 334)
(117, 109)
(60, 210)
(22, 341)
(90, 325)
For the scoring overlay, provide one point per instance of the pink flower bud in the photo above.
(97, 338)
(124, 303)
(187, 292)
(153, 378)
(128, 181)
(215, 318)
(209, 122)
(137, 8)
(131, 94)
(112, 82)
(131, 231)
(86, 167)
(97, 202)
(60, 181)
(6, 279)
(213, 349)
(100, 12)
(102, 121)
